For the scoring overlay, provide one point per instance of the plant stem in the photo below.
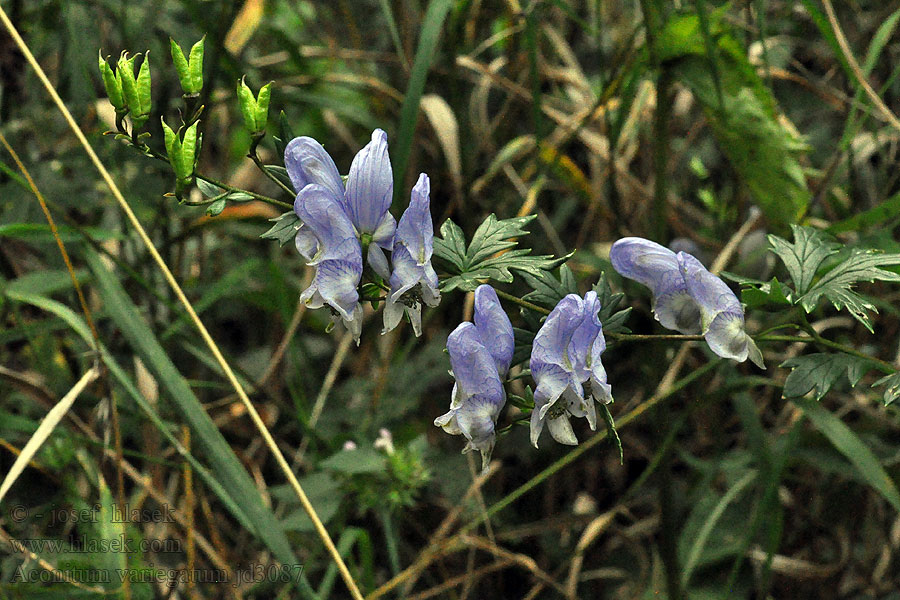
(814, 337)
(882, 365)
(256, 160)
(261, 197)
(523, 303)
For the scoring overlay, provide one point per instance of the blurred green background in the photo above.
(601, 122)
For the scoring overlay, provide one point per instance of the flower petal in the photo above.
(336, 282)
(552, 339)
(584, 336)
(321, 211)
(393, 312)
(378, 261)
(406, 273)
(677, 310)
(561, 430)
(415, 230)
(642, 260)
(494, 327)
(473, 366)
(306, 161)
(370, 185)
(552, 382)
(658, 268)
(306, 242)
(726, 336)
(711, 294)
(430, 292)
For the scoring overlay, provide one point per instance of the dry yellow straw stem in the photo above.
(170, 279)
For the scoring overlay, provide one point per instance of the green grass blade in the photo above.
(432, 24)
(225, 463)
(80, 327)
(849, 444)
(709, 524)
(395, 32)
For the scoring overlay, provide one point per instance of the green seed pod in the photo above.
(262, 107)
(190, 71)
(181, 66)
(182, 152)
(113, 86)
(173, 148)
(255, 111)
(247, 104)
(195, 67)
(143, 90)
(136, 91)
(125, 75)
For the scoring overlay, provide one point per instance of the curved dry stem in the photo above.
(886, 113)
(201, 328)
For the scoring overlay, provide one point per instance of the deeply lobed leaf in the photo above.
(479, 261)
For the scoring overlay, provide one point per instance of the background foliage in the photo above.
(600, 122)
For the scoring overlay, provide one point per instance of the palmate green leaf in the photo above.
(547, 290)
(820, 372)
(891, 385)
(771, 293)
(837, 284)
(613, 320)
(284, 229)
(804, 256)
(473, 264)
(493, 235)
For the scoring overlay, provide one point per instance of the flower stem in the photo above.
(813, 337)
(882, 365)
(523, 303)
(261, 197)
(256, 160)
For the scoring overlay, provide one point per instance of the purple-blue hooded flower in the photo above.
(413, 280)
(366, 199)
(306, 162)
(721, 313)
(338, 259)
(687, 297)
(565, 363)
(480, 354)
(656, 267)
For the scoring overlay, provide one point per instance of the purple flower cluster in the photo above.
(342, 223)
(566, 353)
